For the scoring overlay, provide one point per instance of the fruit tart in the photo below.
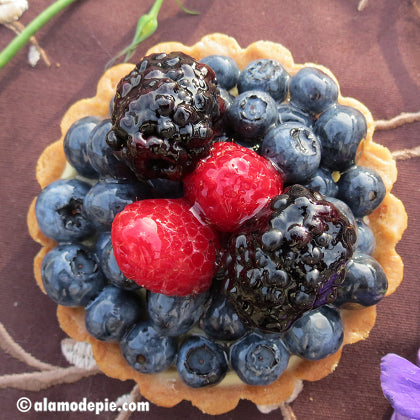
(217, 222)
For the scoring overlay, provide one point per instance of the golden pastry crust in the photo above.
(166, 389)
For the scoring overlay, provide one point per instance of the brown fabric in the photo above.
(375, 56)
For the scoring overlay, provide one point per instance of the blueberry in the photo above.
(110, 267)
(75, 145)
(220, 321)
(110, 196)
(362, 189)
(226, 69)
(166, 188)
(294, 149)
(201, 362)
(340, 129)
(175, 315)
(112, 313)
(259, 359)
(60, 212)
(251, 114)
(289, 113)
(101, 242)
(71, 276)
(316, 335)
(265, 75)
(365, 282)
(344, 208)
(227, 97)
(312, 90)
(323, 182)
(101, 156)
(366, 238)
(146, 350)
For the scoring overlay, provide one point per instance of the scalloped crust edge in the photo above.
(166, 389)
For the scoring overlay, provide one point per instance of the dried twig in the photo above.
(399, 120)
(134, 396)
(406, 153)
(362, 4)
(17, 28)
(287, 412)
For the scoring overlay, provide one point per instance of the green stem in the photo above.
(20, 40)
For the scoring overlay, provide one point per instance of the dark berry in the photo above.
(226, 69)
(174, 315)
(366, 241)
(101, 156)
(251, 115)
(112, 313)
(289, 113)
(101, 242)
(316, 335)
(71, 275)
(146, 350)
(166, 188)
(110, 267)
(323, 182)
(201, 362)
(294, 150)
(164, 115)
(288, 259)
(362, 189)
(312, 90)
(266, 75)
(75, 145)
(220, 321)
(60, 213)
(259, 359)
(365, 282)
(340, 129)
(110, 196)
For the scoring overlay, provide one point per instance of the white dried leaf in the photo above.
(33, 55)
(11, 10)
(78, 353)
(123, 399)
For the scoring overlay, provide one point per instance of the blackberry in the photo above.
(287, 259)
(164, 115)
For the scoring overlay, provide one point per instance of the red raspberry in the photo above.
(164, 247)
(232, 185)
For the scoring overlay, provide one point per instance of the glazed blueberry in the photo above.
(112, 313)
(111, 270)
(365, 282)
(340, 129)
(323, 182)
(146, 350)
(366, 238)
(101, 242)
(295, 151)
(101, 156)
(201, 362)
(259, 359)
(318, 334)
(60, 212)
(362, 189)
(344, 208)
(175, 315)
(108, 197)
(75, 145)
(226, 69)
(289, 113)
(312, 90)
(251, 114)
(220, 321)
(227, 97)
(265, 75)
(71, 276)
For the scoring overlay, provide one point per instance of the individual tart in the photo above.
(353, 317)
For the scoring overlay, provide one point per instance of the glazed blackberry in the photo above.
(287, 259)
(164, 115)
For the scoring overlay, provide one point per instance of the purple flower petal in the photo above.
(400, 380)
(397, 416)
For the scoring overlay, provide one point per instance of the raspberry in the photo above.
(287, 259)
(163, 116)
(162, 246)
(232, 185)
